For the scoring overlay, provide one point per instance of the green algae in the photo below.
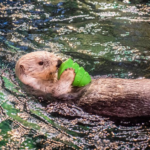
(38, 113)
(5, 126)
(46, 118)
(31, 142)
(12, 113)
(11, 86)
(2, 96)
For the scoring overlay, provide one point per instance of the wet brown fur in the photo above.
(112, 97)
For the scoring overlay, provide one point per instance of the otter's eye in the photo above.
(41, 63)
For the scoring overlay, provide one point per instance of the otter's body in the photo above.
(117, 97)
(103, 96)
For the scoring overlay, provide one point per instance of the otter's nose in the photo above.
(59, 63)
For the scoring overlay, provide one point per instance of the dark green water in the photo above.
(105, 37)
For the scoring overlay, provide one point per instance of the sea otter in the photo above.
(103, 96)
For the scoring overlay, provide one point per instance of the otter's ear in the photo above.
(22, 69)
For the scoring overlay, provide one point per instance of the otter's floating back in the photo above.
(82, 78)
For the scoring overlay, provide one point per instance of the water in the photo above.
(105, 37)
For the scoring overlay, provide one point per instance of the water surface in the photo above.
(105, 37)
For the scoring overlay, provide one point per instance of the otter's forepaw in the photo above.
(68, 75)
(63, 86)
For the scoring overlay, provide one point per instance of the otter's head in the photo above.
(37, 66)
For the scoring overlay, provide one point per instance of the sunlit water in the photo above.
(105, 37)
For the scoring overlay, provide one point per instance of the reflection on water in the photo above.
(106, 37)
